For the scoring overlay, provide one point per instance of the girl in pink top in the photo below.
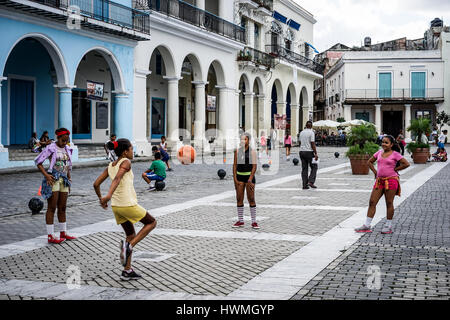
(288, 145)
(263, 143)
(387, 182)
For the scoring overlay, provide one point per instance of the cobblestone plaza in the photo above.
(306, 247)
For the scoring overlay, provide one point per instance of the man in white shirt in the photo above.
(308, 152)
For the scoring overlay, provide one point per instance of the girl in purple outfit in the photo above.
(56, 183)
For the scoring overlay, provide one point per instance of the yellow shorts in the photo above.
(132, 214)
(58, 186)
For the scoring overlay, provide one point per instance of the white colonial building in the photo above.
(275, 70)
(214, 66)
(387, 88)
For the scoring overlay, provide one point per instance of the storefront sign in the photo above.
(280, 121)
(211, 104)
(94, 90)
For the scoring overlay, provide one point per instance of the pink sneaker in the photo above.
(238, 224)
(255, 225)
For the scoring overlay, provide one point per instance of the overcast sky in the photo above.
(350, 21)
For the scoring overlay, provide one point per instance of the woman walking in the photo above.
(124, 204)
(244, 169)
(387, 182)
(288, 144)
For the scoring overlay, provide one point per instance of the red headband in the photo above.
(116, 144)
(61, 133)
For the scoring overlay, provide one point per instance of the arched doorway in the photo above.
(29, 97)
(258, 106)
(244, 103)
(190, 76)
(162, 70)
(99, 105)
(277, 105)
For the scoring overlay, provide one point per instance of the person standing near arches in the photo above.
(244, 170)
(56, 183)
(308, 152)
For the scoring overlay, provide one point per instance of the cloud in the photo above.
(350, 21)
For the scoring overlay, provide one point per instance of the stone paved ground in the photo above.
(195, 253)
(414, 261)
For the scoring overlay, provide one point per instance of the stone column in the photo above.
(123, 119)
(250, 34)
(347, 112)
(65, 109)
(141, 116)
(1, 113)
(200, 4)
(378, 117)
(200, 111)
(249, 111)
(262, 114)
(172, 110)
(281, 109)
(4, 155)
(295, 109)
(305, 116)
(407, 120)
(223, 124)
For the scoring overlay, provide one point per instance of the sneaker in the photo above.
(52, 239)
(127, 276)
(64, 235)
(255, 225)
(363, 229)
(386, 230)
(238, 224)
(151, 188)
(305, 188)
(312, 185)
(170, 169)
(125, 252)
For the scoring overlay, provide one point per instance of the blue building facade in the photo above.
(51, 58)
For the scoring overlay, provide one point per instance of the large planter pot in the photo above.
(420, 155)
(359, 164)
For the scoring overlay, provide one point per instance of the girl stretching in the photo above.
(124, 203)
(244, 169)
(387, 182)
(56, 183)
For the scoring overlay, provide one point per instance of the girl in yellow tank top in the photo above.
(124, 203)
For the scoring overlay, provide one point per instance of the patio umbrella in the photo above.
(326, 124)
(354, 123)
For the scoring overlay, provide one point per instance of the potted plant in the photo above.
(361, 141)
(420, 149)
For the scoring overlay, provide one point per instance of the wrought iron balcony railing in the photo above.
(284, 53)
(257, 57)
(106, 11)
(395, 94)
(193, 15)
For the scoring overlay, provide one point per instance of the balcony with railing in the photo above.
(293, 57)
(195, 16)
(256, 57)
(421, 94)
(123, 21)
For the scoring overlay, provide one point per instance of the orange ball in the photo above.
(186, 154)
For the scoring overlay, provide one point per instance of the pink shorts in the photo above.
(392, 185)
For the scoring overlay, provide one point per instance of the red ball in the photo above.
(186, 155)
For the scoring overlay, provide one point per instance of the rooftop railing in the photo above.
(107, 11)
(257, 57)
(195, 16)
(293, 57)
(395, 94)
